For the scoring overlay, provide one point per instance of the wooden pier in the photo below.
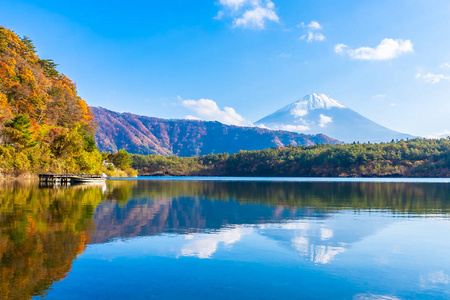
(67, 178)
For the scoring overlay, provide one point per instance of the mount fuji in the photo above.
(318, 113)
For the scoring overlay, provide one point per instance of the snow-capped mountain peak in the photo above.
(319, 113)
(317, 101)
(311, 102)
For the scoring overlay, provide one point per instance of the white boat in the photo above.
(83, 178)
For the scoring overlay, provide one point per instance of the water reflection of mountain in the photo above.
(145, 217)
(43, 230)
(275, 209)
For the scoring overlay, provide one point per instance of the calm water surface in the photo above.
(227, 239)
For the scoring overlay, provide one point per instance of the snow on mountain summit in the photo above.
(317, 101)
(314, 101)
(319, 113)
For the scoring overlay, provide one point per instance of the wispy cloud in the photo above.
(324, 120)
(287, 127)
(445, 65)
(193, 118)
(248, 13)
(209, 110)
(314, 25)
(379, 96)
(432, 78)
(386, 50)
(313, 34)
(440, 135)
(285, 55)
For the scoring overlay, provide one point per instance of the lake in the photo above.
(227, 238)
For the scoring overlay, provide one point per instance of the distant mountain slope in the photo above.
(148, 135)
(318, 113)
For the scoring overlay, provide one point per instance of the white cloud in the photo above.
(314, 25)
(294, 128)
(324, 120)
(379, 96)
(300, 109)
(248, 13)
(315, 36)
(387, 49)
(209, 110)
(233, 4)
(445, 65)
(219, 15)
(190, 117)
(432, 78)
(312, 34)
(256, 17)
(440, 135)
(339, 48)
(285, 55)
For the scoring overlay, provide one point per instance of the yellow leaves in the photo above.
(5, 109)
(21, 162)
(27, 76)
(86, 117)
(16, 46)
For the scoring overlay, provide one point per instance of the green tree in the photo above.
(17, 131)
(29, 43)
(121, 159)
(49, 67)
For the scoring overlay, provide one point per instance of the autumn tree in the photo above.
(17, 132)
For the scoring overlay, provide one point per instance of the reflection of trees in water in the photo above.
(155, 207)
(397, 197)
(41, 233)
(43, 230)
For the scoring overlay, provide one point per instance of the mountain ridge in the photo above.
(150, 135)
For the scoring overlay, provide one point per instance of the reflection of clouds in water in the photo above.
(326, 234)
(374, 297)
(312, 241)
(319, 254)
(325, 254)
(434, 279)
(295, 225)
(205, 245)
(301, 244)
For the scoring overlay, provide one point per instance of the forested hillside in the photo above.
(44, 124)
(412, 158)
(148, 135)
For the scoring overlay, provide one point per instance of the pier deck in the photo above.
(66, 178)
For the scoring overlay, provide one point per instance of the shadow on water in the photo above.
(43, 229)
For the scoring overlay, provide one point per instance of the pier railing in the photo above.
(64, 177)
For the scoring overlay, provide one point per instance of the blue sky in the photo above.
(387, 59)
